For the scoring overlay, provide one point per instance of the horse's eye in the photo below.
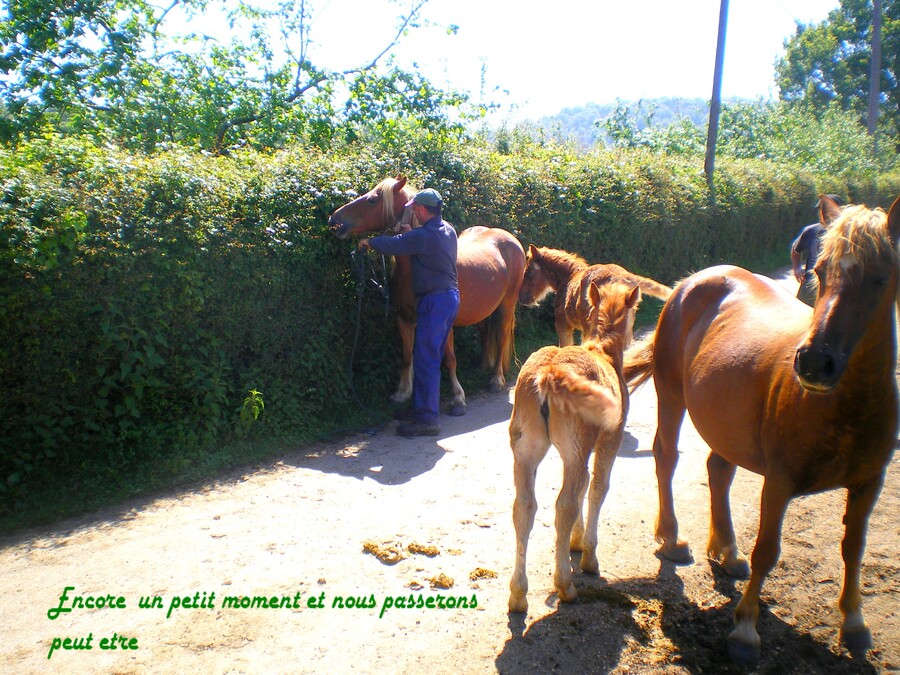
(879, 282)
(372, 199)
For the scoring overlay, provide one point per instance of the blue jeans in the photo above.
(435, 313)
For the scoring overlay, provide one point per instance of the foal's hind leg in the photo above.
(529, 443)
(604, 456)
(568, 508)
(860, 502)
(722, 546)
(665, 453)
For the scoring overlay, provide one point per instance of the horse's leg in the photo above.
(407, 332)
(501, 342)
(568, 508)
(458, 396)
(743, 642)
(604, 456)
(860, 502)
(564, 331)
(665, 452)
(529, 442)
(722, 546)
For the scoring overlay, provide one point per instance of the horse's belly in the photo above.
(728, 420)
(481, 290)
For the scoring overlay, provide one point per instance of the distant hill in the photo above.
(578, 124)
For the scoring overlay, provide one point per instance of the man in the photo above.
(804, 252)
(432, 250)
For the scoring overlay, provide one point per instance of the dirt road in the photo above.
(294, 534)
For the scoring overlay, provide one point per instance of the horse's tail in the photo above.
(574, 394)
(650, 287)
(638, 366)
(498, 337)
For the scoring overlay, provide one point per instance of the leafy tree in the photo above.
(829, 62)
(106, 68)
(830, 140)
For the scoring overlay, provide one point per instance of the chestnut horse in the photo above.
(575, 398)
(549, 270)
(806, 397)
(490, 266)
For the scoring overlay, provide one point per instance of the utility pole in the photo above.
(875, 76)
(709, 165)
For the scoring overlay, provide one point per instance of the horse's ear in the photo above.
(828, 210)
(532, 250)
(633, 298)
(401, 182)
(893, 222)
(594, 294)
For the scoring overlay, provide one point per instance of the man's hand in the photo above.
(363, 245)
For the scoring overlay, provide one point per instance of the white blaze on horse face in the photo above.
(849, 262)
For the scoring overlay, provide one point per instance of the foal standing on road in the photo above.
(575, 398)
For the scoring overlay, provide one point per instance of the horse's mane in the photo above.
(385, 187)
(559, 260)
(859, 232)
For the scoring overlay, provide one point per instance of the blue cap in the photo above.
(427, 197)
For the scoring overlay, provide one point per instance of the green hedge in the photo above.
(144, 297)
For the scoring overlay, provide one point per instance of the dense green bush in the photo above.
(143, 298)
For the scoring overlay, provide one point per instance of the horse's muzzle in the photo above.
(338, 229)
(818, 369)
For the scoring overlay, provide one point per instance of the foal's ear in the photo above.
(828, 210)
(594, 294)
(893, 222)
(633, 298)
(532, 249)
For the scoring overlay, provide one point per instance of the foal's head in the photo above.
(857, 273)
(546, 269)
(612, 308)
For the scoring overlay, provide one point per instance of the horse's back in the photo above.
(725, 341)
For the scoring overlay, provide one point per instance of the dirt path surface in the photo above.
(298, 529)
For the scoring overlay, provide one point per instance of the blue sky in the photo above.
(537, 58)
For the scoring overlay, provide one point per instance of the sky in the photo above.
(537, 58)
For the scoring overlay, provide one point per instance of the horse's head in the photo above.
(612, 310)
(375, 211)
(857, 275)
(536, 284)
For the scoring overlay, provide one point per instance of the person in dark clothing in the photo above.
(804, 252)
(432, 251)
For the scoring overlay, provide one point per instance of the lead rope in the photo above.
(365, 273)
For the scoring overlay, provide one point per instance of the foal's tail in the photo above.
(574, 394)
(638, 366)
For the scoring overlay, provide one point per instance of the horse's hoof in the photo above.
(589, 563)
(568, 594)
(518, 603)
(679, 553)
(457, 409)
(738, 568)
(858, 642)
(496, 387)
(741, 653)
